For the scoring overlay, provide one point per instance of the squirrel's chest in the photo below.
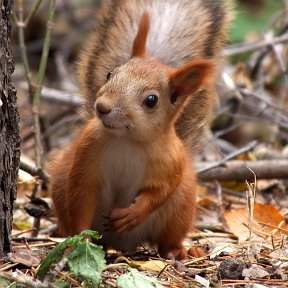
(123, 168)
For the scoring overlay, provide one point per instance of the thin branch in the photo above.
(21, 278)
(36, 105)
(45, 52)
(23, 51)
(33, 171)
(246, 92)
(33, 11)
(247, 47)
(40, 78)
(282, 67)
(234, 154)
(59, 96)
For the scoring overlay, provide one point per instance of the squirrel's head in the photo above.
(143, 98)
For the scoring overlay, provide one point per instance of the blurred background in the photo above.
(251, 103)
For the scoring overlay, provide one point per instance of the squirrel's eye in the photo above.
(151, 101)
(108, 75)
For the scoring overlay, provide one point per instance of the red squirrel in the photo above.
(128, 174)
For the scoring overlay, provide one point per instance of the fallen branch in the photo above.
(238, 171)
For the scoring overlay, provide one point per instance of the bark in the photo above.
(9, 129)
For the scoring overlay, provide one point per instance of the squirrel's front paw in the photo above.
(126, 219)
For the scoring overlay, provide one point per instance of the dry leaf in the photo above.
(279, 253)
(266, 217)
(26, 257)
(151, 265)
(237, 186)
(205, 202)
(204, 282)
(223, 247)
(255, 271)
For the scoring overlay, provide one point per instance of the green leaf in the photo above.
(75, 241)
(89, 233)
(87, 261)
(78, 239)
(15, 285)
(4, 282)
(61, 284)
(135, 279)
(52, 258)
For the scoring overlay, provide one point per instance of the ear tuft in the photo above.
(139, 45)
(190, 78)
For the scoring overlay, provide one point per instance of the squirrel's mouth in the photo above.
(109, 126)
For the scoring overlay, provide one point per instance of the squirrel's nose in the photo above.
(103, 109)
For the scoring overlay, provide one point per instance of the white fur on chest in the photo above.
(123, 167)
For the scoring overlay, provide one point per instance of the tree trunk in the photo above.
(9, 129)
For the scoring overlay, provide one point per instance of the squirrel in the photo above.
(129, 174)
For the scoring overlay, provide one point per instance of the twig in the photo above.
(36, 103)
(196, 236)
(32, 239)
(40, 78)
(237, 170)
(281, 229)
(61, 123)
(250, 197)
(7, 267)
(247, 93)
(247, 47)
(58, 96)
(34, 245)
(39, 82)
(26, 280)
(234, 154)
(33, 171)
(270, 118)
(33, 11)
(282, 67)
(23, 51)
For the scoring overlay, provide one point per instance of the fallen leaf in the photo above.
(266, 219)
(279, 253)
(135, 279)
(26, 257)
(207, 203)
(222, 248)
(151, 265)
(204, 282)
(236, 186)
(255, 271)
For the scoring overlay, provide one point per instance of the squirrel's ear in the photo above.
(190, 78)
(139, 45)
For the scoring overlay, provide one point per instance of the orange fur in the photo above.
(128, 175)
(139, 45)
